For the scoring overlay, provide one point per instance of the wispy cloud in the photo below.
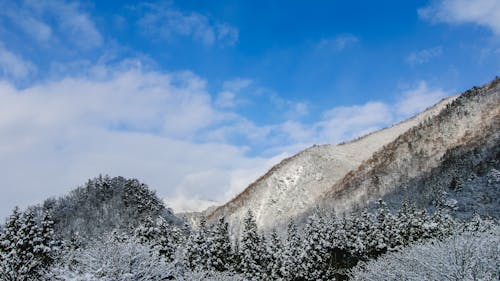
(417, 99)
(228, 96)
(424, 56)
(53, 22)
(484, 13)
(12, 65)
(166, 22)
(347, 122)
(338, 43)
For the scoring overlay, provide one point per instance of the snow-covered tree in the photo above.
(251, 250)
(27, 249)
(10, 259)
(386, 235)
(197, 250)
(315, 262)
(465, 256)
(49, 245)
(291, 253)
(114, 258)
(160, 235)
(220, 256)
(274, 249)
(411, 223)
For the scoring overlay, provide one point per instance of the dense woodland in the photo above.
(118, 229)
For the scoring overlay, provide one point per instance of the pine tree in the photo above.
(441, 225)
(411, 223)
(386, 234)
(316, 249)
(291, 253)
(48, 245)
(160, 235)
(275, 252)
(220, 257)
(27, 244)
(25, 247)
(197, 250)
(251, 264)
(10, 260)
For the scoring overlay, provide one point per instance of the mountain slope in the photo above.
(298, 183)
(472, 120)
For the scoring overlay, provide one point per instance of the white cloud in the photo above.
(418, 99)
(230, 89)
(77, 24)
(123, 122)
(347, 122)
(167, 22)
(338, 43)
(424, 56)
(54, 22)
(13, 65)
(484, 13)
(227, 33)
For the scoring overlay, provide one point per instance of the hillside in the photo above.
(296, 184)
(103, 205)
(470, 124)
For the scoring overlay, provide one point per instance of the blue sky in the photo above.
(198, 98)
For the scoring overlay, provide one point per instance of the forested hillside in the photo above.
(117, 229)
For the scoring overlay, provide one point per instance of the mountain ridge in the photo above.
(307, 180)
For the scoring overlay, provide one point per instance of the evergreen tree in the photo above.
(162, 236)
(275, 253)
(48, 245)
(197, 250)
(220, 257)
(291, 253)
(316, 249)
(411, 223)
(28, 242)
(251, 264)
(26, 251)
(10, 260)
(386, 234)
(441, 225)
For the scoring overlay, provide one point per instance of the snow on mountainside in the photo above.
(471, 120)
(297, 183)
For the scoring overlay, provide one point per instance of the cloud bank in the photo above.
(484, 13)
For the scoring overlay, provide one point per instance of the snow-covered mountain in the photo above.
(357, 172)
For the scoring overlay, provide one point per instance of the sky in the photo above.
(198, 98)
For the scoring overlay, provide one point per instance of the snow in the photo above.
(296, 184)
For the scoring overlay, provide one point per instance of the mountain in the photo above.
(103, 205)
(361, 171)
(430, 158)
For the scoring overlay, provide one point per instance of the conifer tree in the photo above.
(386, 233)
(291, 253)
(28, 242)
(10, 260)
(275, 252)
(251, 264)
(197, 250)
(26, 248)
(48, 245)
(220, 257)
(162, 236)
(316, 249)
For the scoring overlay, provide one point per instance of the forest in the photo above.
(118, 229)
